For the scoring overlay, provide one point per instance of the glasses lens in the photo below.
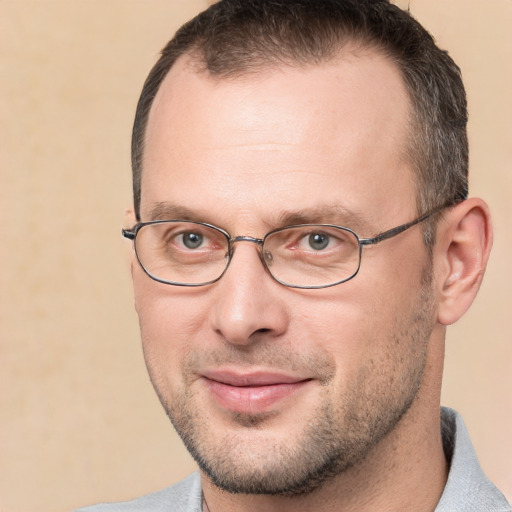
(182, 252)
(312, 255)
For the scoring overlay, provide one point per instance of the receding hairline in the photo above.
(193, 62)
(351, 44)
(355, 48)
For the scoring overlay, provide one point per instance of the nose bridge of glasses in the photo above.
(244, 238)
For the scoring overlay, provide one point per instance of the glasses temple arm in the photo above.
(399, 229)
(127, 233)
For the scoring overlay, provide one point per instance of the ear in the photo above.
(128, 222)
(462, 250)
(129, 218)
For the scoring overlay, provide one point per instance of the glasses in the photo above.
(185, 253)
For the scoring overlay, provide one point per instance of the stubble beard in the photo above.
(338, 435)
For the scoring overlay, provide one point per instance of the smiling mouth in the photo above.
(252, 393)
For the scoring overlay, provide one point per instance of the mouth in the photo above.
(251, 393)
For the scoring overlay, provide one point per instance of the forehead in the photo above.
(297, 133)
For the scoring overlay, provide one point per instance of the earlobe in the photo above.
(463, 247)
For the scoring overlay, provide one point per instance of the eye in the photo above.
(311, 240)
(318, 241)
(192, 240)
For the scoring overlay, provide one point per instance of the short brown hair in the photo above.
(237, 37)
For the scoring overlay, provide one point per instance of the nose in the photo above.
(248, 302)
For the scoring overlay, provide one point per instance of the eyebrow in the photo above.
(167, 211)
(324, 214)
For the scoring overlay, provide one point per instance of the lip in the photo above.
(251, 393)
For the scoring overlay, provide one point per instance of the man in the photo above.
(302, 239)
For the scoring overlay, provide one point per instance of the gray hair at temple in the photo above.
(234, 38)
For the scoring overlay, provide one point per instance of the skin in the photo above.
(364, 359)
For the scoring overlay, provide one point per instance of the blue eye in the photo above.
(318, 241)
(192, 240)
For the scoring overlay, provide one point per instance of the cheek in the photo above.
(170, 320)
(362, 320)
(165, 310)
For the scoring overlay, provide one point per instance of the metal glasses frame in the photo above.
(131, 234)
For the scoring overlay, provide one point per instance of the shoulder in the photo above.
(467, 488)
(185, 496)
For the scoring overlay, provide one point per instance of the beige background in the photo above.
(79, 421)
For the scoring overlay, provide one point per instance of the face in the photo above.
(275, 389)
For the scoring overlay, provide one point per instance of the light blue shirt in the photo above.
(467, 488)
